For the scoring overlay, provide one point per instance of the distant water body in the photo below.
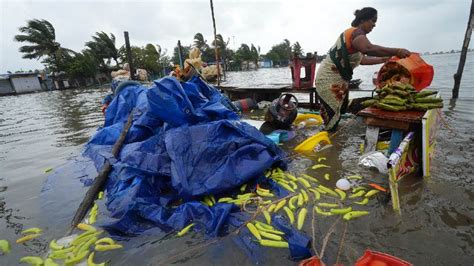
(43, 130)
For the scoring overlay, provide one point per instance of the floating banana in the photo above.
(304, 182)
(260, 227)
(213, 200)
(84, 246)
(264, 194)
(310, 178)
(208, 201)
(291, 202)
(319, 211)
(274, 244)
(354, 177)
(270, 236)
(86, 227)
(280, 205)
(341, 211)
(305, 196)
(61, 254)
(300, 200)
(105, 240)
(328, 205)
(107, 247)
(327, 176)
(254, 231)
(5, 246)
(371, 193)
(317, 194)
(32, 260)
(354, 190)
(55, 246)
(84, 237)
(286, 186)
(290, 214)
(27, 238)
(291, 177)
(354, 214)
(271, 208)
(90, 261)
(76, 259)
(33, 230)
(245, 196)
(293, 184)
(243, 187)
(267, 216)
(320, 159)
(50, 262)
(318, 166)
(185, 229)
(362, 202)
(264, 225)
(321, 191)
(101, 195)
(263, 189)
(225, 199)
(301, 218)
(359, 193)
(342, 194)
(328, 191)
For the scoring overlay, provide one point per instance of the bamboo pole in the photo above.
(180, 55)
(215, 45)
(462, 60)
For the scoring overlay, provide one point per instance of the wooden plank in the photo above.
(384, 123)
(406, 116)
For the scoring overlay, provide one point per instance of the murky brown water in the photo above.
(436, 227)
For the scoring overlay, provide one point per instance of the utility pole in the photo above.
(129, 56)
(462, 60)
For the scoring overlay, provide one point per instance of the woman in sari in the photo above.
(351, 49)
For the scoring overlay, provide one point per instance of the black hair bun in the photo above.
(357, 12)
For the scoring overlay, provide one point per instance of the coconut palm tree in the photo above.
(40, 34)
(103, 47)
(199, 42)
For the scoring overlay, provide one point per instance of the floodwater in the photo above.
(45, 130)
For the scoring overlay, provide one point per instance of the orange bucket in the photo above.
(374, 258)
(421, 74)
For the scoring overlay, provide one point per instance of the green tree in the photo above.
(296, 49)
(200, 42)
(185, 53)
(41, 36)
(83, 65)
(280, 54)
(103, 48)
(255, 54)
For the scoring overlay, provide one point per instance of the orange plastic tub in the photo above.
(421, 73)
(374, 258)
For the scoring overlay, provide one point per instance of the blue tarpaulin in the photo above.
(185, 142)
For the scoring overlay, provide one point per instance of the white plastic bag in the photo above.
(375, 159)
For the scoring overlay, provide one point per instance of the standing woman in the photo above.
(351, 49)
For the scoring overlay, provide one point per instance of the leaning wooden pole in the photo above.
(215, 45)
(101, 178)
(465, 45)
(129, 55)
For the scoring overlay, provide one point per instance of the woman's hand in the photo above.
(402, 53)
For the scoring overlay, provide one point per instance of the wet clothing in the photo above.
(334, 74)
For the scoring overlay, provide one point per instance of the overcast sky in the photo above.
(418, 25)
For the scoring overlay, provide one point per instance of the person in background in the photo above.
(351, 49)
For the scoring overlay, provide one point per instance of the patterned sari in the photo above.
(333, 76)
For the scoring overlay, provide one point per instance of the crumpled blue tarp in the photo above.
(184, 143)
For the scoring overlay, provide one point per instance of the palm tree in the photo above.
(42, 38)
(199, 42)
(296, 49)
(255, 54)
(103, 47)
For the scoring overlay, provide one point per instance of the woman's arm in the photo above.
(363, 45)
(369, 60)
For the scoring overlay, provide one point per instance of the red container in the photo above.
(421, 72)
(374, 258)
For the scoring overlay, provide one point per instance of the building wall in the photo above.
(5, 87)
(24, 84)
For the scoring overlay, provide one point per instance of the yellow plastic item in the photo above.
(305, 117)
(311, 142)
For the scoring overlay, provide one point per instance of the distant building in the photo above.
(267, 63)
(5, 85)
